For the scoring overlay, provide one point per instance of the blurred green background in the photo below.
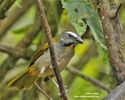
(87, 57)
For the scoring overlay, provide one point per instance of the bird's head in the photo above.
(68, 38)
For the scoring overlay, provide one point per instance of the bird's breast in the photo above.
(63, 56)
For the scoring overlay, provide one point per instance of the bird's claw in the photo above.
(66, 91)
(58, 61)
(59, 94)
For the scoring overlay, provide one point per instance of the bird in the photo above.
(40, 64)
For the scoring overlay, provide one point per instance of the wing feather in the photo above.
(41, 51)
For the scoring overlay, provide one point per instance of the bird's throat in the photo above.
(70, 47)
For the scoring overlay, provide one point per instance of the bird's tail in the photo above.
(25, 80)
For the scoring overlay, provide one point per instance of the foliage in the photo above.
(21, 30)
(83, 13)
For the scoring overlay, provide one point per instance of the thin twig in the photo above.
(42, 91)
(117, 94)
(23, 44)
(6, 4)
(1, 2)
(116, 14)
(53, 57)
(15, 52)
(94, 81)
(90, 52)
(14, 15)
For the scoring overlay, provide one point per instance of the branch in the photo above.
(92, 80)
(14, 15)
(50, 42)
(1, 1)
(18, 53)
(42, 91)
(114, 15)
(23, 44)
(115, 39)
(118, 9)
(6, 4)
(51, 20)
(117, 94)
(88, 54)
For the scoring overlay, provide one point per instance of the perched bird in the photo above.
(40, 64)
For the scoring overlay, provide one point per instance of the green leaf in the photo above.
(21, 30)
(105, 56)
(83, 13)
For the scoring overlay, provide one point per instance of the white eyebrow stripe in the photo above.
(72, 34)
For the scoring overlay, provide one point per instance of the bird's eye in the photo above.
(69, 35)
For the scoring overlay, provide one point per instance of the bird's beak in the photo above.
(79, 40)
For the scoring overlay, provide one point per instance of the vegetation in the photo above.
(91, 70)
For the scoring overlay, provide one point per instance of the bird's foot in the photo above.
(58, 61)
(66, 91)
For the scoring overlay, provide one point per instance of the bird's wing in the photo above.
(41, 51)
